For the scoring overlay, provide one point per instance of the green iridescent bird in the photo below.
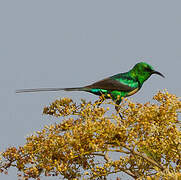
(115, 87)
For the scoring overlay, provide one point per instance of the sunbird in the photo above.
(114, 87)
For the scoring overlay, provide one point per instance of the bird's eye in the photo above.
(148, 69)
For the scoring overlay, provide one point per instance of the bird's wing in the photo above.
(113, 84)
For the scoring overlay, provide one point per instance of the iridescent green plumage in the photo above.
(117, 86)
(123, 84)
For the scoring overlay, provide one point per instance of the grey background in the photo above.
(74, 43)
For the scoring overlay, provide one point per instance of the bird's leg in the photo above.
(117, 109)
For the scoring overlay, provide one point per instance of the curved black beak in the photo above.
(156, 72)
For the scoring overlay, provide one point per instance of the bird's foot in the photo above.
(98, 103)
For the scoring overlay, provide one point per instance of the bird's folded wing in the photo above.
(112, 84)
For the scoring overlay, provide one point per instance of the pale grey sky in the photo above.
(71, 43)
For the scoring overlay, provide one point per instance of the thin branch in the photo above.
(106, 157)
(146, 158)
(125, 171)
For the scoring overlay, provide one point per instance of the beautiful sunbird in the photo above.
(115, 87)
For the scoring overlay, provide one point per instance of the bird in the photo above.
(114, 87)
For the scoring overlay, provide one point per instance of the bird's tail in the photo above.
(51, 89)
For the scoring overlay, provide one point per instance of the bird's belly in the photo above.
(112, 94)
(133, 92)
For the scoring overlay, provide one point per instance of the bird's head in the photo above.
(143, 71)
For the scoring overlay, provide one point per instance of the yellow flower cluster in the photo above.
(146, 141)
